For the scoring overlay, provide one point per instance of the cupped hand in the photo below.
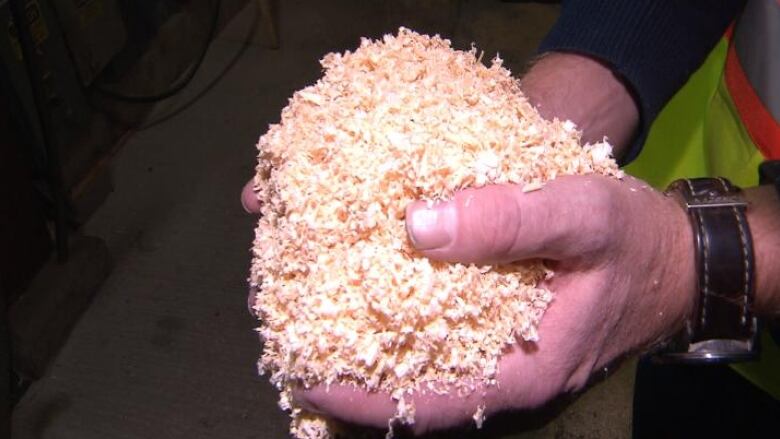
(622, 254)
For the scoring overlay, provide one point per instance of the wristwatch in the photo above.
(723, 328)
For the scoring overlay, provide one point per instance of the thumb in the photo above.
(501, 223)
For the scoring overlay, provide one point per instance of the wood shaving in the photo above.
(342, 297)
(479, 416)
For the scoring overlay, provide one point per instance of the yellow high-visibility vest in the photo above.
(724, 122)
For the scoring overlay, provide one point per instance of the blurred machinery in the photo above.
(75, 76)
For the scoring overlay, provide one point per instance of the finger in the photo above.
(348, 404)
(501, 223)
(248, 198)
(251, 299)
(432, 411)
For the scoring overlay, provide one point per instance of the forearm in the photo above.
(764, 218)
(585, 91)
(654, 45)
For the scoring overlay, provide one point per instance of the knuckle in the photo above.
(493, 223)
(600, 210)
(601, 195)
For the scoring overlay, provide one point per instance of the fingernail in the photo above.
(430, 227)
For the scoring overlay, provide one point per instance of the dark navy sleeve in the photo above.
(654, 45)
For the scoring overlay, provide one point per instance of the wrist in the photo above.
(763, 215)
(722, 326)
(579, 88)
(679, 269)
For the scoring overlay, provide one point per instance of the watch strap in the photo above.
(723, 327)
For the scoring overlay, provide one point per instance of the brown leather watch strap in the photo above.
(723, 328)
(726, 266)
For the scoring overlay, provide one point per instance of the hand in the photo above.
(624, 279)
(251, 204)
(584, 90)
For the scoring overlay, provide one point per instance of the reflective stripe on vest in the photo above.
(752, 72)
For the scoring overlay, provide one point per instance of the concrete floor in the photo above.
(167, 349)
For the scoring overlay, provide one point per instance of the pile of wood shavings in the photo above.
(341, 294)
